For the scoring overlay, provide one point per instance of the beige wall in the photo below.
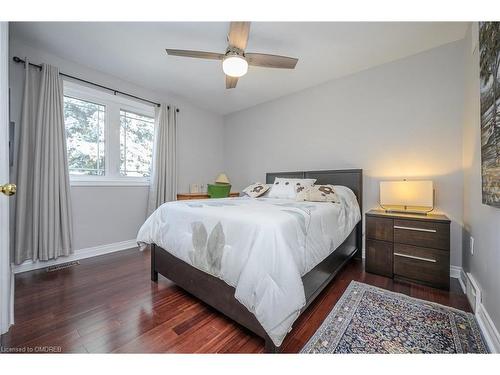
(401, 119)
(480, 221)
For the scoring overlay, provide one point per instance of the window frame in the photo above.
(113, 105)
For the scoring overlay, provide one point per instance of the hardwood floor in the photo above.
(109, 304)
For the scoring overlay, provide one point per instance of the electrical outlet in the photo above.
(471, 245)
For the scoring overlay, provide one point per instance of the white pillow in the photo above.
(256, 190)
(286, 188)
(319, 193)
(266, 194)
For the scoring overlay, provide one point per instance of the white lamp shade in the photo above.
(235, 66)
(407, 193)
(222, 179)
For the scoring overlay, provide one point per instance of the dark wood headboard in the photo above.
(352, 178)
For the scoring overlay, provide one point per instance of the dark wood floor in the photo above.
(109, 304)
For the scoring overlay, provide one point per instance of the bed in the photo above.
(266, 262)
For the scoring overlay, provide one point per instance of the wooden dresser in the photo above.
(409, 247)
(184, 196)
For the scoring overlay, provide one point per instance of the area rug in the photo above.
(367, 319)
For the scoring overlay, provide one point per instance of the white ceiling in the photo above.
(136, 52)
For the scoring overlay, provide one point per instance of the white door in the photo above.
(6, 308)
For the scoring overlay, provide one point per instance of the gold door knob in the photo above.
(8, 189)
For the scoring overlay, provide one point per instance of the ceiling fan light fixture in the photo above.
(235, 65)
(235, 60)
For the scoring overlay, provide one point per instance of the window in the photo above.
(84, 136)
(136, 144)
(109, 138)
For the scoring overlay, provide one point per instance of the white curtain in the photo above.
(164, 172)
(43, 227)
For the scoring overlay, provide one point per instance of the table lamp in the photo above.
(222, 179)
(407, 196)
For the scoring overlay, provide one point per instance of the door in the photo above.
(6, 300)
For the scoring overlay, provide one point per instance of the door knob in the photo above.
(8, 189)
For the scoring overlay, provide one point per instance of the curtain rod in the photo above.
(19, 60)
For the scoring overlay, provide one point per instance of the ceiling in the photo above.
(136, 52)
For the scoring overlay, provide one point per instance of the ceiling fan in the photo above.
(235, 60)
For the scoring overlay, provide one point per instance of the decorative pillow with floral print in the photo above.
(256, 190)
(318, 193)
(288, 187)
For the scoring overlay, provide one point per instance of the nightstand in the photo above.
(409, 247)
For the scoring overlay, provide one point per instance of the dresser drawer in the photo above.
(426, 265)
(379, 228)
(422, 233)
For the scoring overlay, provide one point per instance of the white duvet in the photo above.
(262, 247)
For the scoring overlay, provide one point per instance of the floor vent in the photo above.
(62, 266)
(473, 292)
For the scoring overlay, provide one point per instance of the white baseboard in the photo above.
(486, 325)
(77, 255)
(455, 272)
(488, 329)
(461, 279)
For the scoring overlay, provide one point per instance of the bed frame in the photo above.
(220, 295)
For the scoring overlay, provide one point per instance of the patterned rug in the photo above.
(367, 319)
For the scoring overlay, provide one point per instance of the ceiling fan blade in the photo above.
(231, 82)
(271, 61)
(238, 34)
(195, 54)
